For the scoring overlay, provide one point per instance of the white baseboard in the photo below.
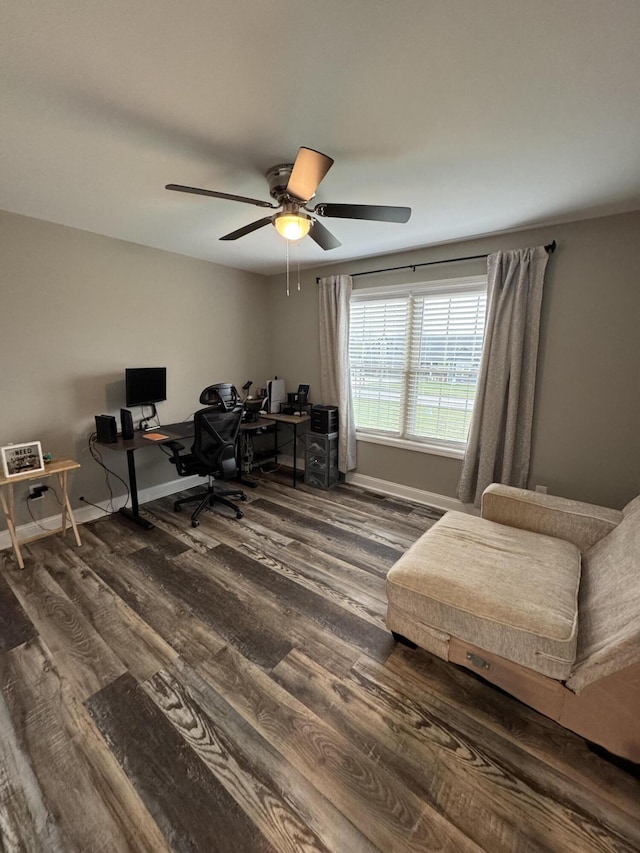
(86, 513)
(396, 490)
(409, 493)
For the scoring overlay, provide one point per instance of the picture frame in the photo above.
(19, 459)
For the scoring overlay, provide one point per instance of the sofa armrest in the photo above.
(581, 523)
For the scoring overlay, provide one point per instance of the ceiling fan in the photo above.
(293, 185)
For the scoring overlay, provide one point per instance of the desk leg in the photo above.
(295, 454)
(9, 515)
(133, 514)
(62, 478)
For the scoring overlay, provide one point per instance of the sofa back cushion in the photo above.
(609, 604)
(632, 507)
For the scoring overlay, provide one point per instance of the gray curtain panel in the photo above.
(499, 447)
(335, 382)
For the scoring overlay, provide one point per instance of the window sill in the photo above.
(406, 444)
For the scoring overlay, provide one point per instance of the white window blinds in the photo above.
(414, 358)
(377, 356)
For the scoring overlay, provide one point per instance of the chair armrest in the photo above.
(175, 447)
(581, 523)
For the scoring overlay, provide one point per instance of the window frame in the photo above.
(444, 287)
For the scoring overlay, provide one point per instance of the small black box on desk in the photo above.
(106, 429)
(324, 418)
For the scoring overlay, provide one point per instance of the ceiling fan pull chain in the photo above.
(298, 259)
(287, 245)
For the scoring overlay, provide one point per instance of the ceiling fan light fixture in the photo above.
(292, 226)
(292, 185)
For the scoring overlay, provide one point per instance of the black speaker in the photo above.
(106, 429)
(127, 424)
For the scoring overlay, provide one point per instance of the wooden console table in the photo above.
(59, 467)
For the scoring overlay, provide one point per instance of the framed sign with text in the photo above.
(21, 459)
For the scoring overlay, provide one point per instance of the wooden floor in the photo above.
(233, 688)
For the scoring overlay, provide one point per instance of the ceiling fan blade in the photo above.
(323, 237)
(247, 229)
(308, 170)
(377, 213)
(213, 194)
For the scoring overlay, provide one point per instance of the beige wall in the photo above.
(586, 441)
(77, 308)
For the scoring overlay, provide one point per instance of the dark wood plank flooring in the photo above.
(234, 688)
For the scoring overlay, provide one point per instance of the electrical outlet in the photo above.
(542, 489)
(37, 491)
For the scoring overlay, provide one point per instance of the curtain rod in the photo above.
(549, 248)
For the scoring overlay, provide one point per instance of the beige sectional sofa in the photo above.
(541, 596)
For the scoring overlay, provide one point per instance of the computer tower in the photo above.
(106, 429)
(126, 422)
(276, 395)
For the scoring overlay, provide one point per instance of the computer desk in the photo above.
(130, 446)
(176, 432)
(293, 421)
(265, 420)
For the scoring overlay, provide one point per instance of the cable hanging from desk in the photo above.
(549, 248)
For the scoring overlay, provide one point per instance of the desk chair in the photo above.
(222, 394)
(212, 455)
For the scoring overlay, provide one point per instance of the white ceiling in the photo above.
(481, 115)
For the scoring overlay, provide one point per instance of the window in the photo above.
(414, 359)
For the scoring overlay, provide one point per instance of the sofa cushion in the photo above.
(609, 633)
(575, 521)
(632, 507)
(506, 590)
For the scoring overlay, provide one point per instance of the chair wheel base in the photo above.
(239, 514)
(195, 524)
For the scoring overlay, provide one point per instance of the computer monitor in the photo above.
(145, 385)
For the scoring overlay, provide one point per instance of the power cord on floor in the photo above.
(97, 506)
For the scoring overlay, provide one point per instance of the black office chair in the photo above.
(212, 455)
(223, 395)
